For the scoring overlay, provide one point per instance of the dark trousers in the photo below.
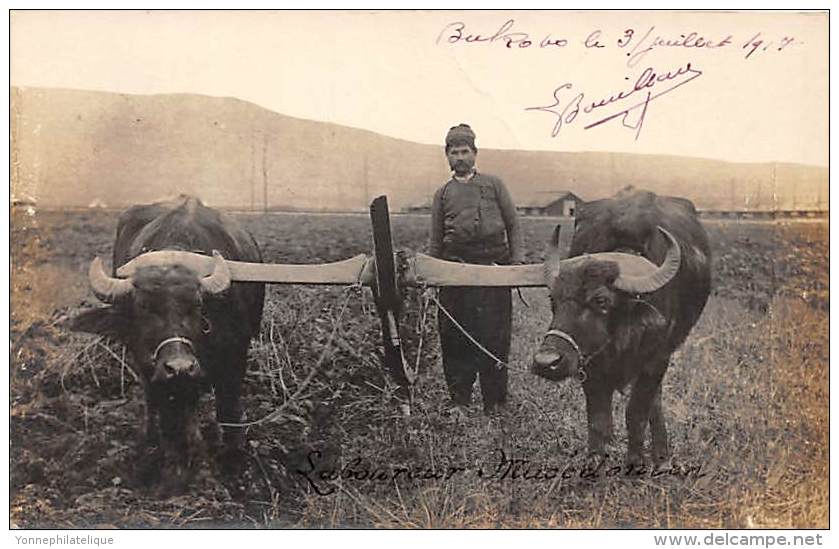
(486, 314)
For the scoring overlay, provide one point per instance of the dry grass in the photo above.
(746, 400)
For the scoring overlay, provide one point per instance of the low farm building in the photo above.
(553, 203)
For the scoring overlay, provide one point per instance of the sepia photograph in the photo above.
(419, 269)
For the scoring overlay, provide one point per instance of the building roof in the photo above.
(541, 199)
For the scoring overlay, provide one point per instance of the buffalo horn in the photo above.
(553, 258)
(661, 275)
(638, 275)
(106, 288)
(219, 280)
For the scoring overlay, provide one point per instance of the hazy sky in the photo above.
(405, 75)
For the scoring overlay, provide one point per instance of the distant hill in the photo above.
(73, 147)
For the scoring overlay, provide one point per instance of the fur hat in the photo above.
(461, 134)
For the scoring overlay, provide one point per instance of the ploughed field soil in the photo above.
(746, 402)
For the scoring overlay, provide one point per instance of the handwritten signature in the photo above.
(650, 85)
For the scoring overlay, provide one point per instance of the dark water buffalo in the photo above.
(636, 282)
(186, 330)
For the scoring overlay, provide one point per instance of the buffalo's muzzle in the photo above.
(546, 360)
(185, 367)
(553, 364)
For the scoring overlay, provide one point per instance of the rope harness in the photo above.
(426, 298)
(176, 339)
(583, 359)
(499, 364)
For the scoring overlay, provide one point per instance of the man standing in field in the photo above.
(473, 220)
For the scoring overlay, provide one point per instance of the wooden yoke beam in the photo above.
(354, 270)
(430, 271)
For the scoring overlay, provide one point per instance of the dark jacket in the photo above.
(475, 221)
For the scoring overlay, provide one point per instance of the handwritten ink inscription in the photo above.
(324, 479)
(646, 43)
(635, 43)
(629, 105)
(456, 32)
